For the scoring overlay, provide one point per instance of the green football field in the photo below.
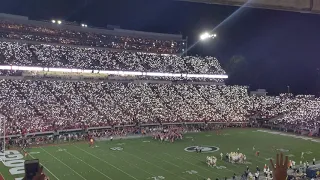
(145, 158)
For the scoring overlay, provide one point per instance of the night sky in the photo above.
(281, 48)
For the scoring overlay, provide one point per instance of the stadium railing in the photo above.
(183, 124)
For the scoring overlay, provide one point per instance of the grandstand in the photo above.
(63, 81)
(19, 28)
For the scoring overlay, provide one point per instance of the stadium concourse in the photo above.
(37, 102)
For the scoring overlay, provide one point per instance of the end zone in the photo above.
(1, 177)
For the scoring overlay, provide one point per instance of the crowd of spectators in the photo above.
(22, 54)
(60, 35)
(11, 73)
(43, 105)
(40, 105)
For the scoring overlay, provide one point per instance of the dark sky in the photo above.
(281, 48)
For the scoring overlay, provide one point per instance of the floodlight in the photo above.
(59, 22)
(204, 36)
(53, 21)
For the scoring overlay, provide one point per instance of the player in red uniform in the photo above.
(91, 142)
(257, 153)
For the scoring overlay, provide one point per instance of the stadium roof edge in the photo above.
(300, 6)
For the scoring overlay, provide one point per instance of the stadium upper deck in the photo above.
(21, 28)
(48, 46)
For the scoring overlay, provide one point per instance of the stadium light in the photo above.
(206, 36)
(59, 21)
(53, 21)
(84, 25)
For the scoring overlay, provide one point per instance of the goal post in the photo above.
(2, 137)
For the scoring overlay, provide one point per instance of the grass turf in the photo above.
(145, 158)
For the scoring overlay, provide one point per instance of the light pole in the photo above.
(288, 89)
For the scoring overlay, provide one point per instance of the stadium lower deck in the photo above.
(146, 158)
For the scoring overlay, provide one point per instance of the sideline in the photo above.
(312, 139)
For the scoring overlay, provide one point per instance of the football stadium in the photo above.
(90, 103)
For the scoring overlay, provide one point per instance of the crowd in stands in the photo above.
(40, 105)
(60, 35)
(11, 73)
(101, 59)
(43, 105)
(307, 114)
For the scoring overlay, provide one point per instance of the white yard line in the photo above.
(3, 177)
(221, 169)
(193, 164)
(173, 164)
(154, 165)
(128, 162)
(45, 168)
(63, 163)
(105, 162)
(89, 165)
(170, 163)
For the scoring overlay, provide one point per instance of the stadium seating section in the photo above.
(40, 105)
(12, 30)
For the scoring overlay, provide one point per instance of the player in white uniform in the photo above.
(302, 153)
(314, 161)
(270, 175)
(221, 155)
(253, 148)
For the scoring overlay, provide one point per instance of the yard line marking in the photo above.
(2, 177)
(153, 164)
(164, 160)
(128, 162)
(88, 165)
(167, 162)
(63, 163)
(223, 169)
(193, 164)
(105, 162)
(45, 167)
(171, 163)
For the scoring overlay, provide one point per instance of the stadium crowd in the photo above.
(43, 105)
(101, 59)
(40, 105)
(60, 35)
